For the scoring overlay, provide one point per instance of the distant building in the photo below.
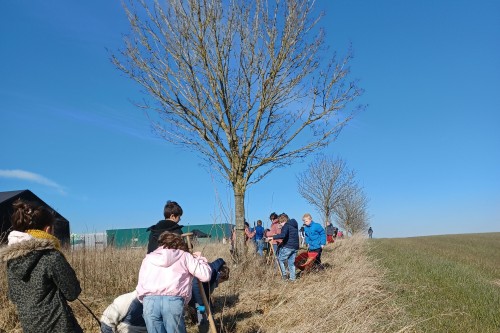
(215, 232)
(89, 241)
(61, 225)
(139, 237)
(132, 238)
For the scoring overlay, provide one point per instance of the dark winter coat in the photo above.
(330, 230)
(156, 230)
(208, 287)
(40, 282)
(289, 234)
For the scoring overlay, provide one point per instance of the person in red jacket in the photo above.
(275, 230)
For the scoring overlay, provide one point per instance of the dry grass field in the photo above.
(348, 296)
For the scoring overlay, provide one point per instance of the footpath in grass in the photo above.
(448, 283)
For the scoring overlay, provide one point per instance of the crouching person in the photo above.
(220, 273)
(124, 315)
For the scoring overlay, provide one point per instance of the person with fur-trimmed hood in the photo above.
(40, 279)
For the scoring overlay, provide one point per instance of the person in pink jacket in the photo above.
(165, 281)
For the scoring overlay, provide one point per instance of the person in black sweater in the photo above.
(172, 212)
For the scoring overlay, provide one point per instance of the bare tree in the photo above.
(324, 184)
(243, 83)
(352, 210)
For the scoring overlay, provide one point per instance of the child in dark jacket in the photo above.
(289, 247)
(172, 212)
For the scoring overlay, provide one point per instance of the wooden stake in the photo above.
(275, 257)
(202, 290)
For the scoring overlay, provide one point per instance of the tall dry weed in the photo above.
(346, 297)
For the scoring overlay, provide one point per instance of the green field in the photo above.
(448, 283)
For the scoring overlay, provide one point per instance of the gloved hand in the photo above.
(200, 308)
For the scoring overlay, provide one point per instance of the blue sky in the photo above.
(426, 149)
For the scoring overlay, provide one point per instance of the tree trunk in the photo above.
(239, 205)
(327, 217)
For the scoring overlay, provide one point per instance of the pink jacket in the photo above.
(275, 230)
(167, 272)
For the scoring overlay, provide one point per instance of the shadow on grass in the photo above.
(228, 323)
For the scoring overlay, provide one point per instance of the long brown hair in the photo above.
(30, 215)
(169, 240)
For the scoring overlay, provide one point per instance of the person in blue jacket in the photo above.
(315, 237)
(289, 247)
(259, 238)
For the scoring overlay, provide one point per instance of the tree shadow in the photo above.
(222, 301)
(228, 323)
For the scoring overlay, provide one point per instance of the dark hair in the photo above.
(172, 208)
(273, 216)
(246, 223)
(169, 240)
(259, 222)
(30, 215)
(224, 273)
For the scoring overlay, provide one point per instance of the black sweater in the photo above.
(156, 230)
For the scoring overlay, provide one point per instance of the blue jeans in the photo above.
(287, 254)
(164, 314)
(276, 250)
(276, 253)
(260, 247)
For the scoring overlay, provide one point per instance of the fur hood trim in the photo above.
(23, 248)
